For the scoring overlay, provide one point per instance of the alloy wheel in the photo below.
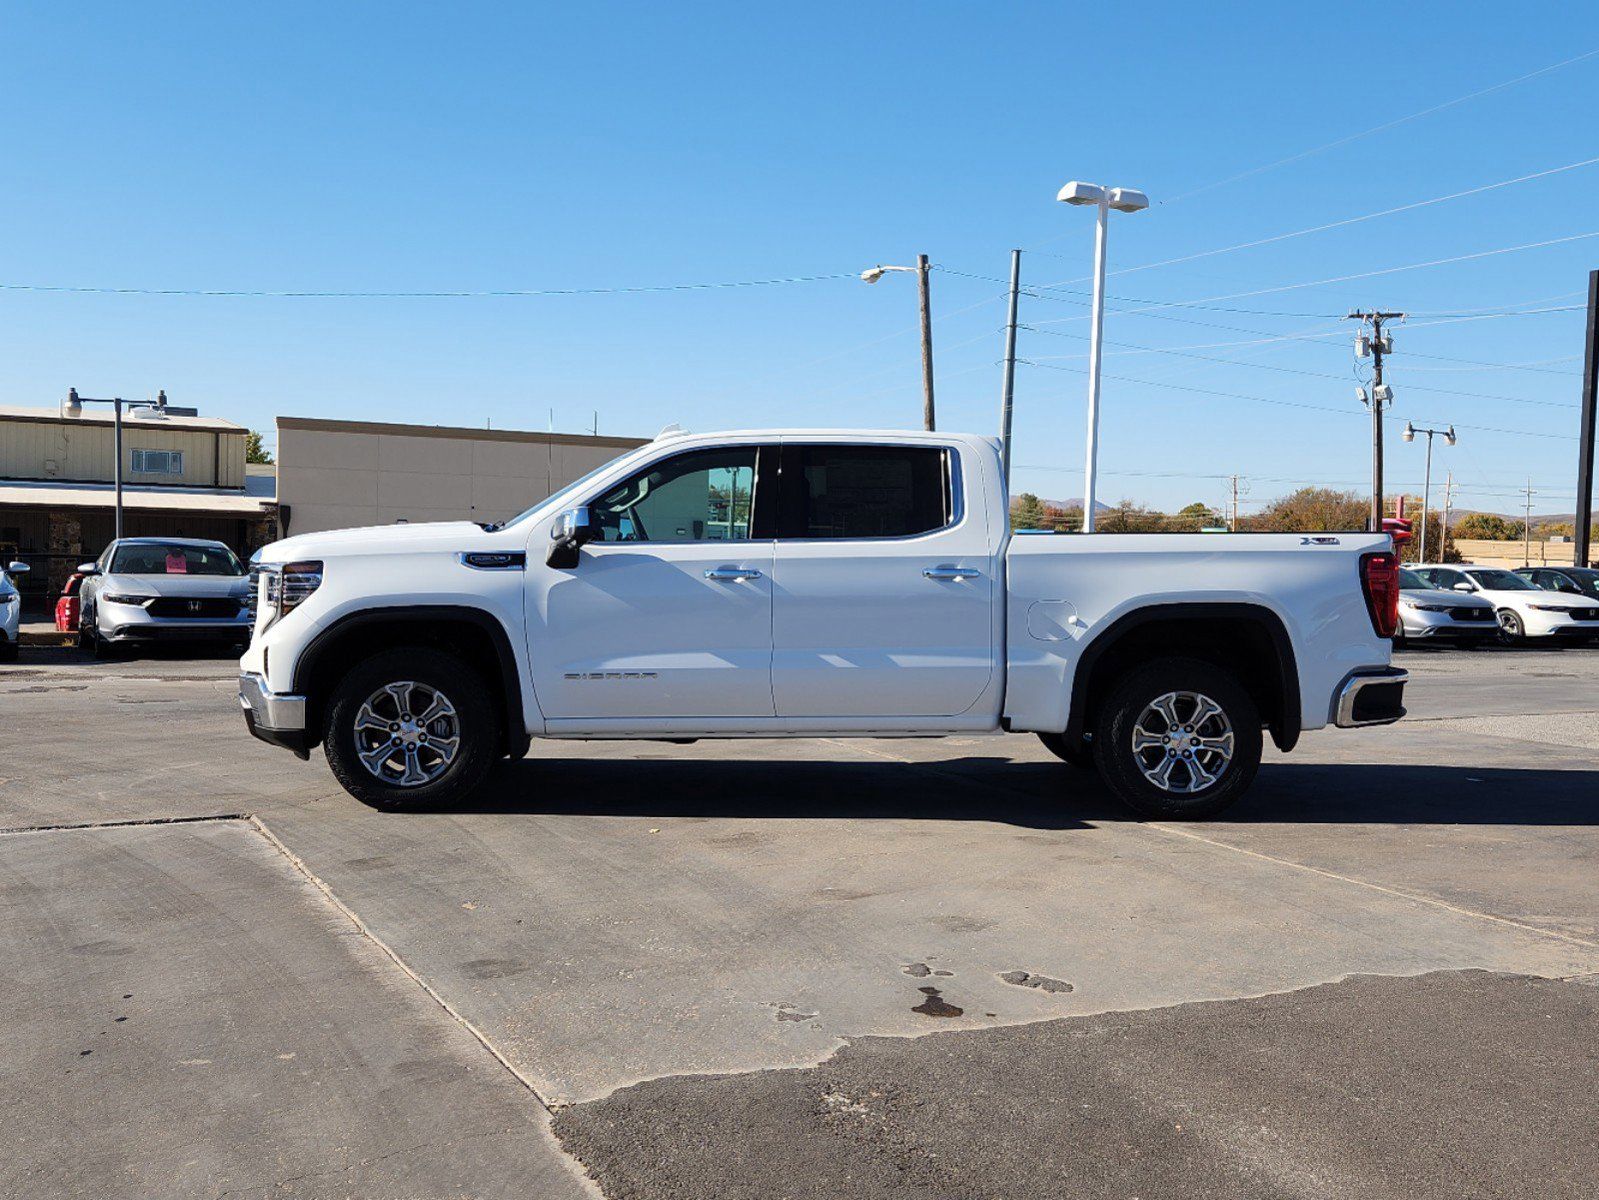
(1183, 742)
(407, 734)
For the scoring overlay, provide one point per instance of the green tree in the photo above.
(1314, 510)
(1128, 517)
(254, 450)
(1488, 527)
(1196, 516)
(1027, 512)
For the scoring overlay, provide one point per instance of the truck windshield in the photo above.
(554, 497)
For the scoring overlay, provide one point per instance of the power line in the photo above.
(1180, 387)
(1387, 212)
(1233, 362)
(1386, 125)
(436, 295)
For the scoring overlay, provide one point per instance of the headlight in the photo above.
(126, 598)
(285, 586)
(1424, 607)
(1551, 607)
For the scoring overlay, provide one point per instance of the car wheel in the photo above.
(1077, 753)
(8, 652)
(1511, 630)
(411, 728)
(1178, 738)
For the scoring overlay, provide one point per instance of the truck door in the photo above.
(883, 596)
(670, 613)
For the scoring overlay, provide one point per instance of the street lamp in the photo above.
(1426, 488)
(1122, 200)
(158, 408)
(872, 275)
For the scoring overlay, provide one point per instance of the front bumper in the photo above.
(1370, 697)
(273, 717)
(187, 631)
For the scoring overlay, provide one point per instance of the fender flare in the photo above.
(1284, 733)
(517, 739)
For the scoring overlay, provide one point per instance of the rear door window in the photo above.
(854, 492)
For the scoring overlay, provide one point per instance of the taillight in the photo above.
(1379, 580)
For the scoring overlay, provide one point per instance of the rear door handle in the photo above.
(951, 572)
(732, 574)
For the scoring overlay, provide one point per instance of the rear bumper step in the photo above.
(1370, 697)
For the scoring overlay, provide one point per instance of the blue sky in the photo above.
(360, 147)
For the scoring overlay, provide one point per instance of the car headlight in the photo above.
(1424, 607)
(1551, 607)
(286, 586)
(126, 598)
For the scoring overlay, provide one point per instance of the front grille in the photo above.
(212, 608)
(1472, 614)
(1585, 614)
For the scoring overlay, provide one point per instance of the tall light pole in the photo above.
(73, 406)
(1426, 488)
(922, 267)
(1105, 199)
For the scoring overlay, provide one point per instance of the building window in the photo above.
(158, 462)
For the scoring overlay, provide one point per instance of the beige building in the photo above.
(339, 474)
(182, 477)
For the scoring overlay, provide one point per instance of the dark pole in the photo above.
(116, 406)
(927, 343)
(1010, 369)
(1583, 552)
(1376, 426)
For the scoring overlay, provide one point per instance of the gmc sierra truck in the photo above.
(806, 584)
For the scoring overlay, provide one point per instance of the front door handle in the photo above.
(951, 572)
(732, 574)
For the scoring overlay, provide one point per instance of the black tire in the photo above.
(89, 636)
(8, 652)
(474, 724)
(1077, 754)
(1131, 704)
(1511, 631)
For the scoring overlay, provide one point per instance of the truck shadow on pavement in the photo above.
(1028, 795)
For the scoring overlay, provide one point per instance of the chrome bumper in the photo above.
(267, 711)
(1371, 698)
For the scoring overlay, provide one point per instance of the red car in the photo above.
(67, 605)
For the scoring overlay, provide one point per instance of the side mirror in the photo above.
(18, 568)
(88, 568)
(571, 530)
(1463, 586)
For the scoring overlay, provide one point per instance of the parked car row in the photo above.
(10, 611)
(1465, 604)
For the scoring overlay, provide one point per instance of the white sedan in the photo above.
(1524, 611)
(10, 612)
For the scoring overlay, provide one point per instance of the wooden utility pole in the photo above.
(1583, 552)
(1526, 530)
(1232, 523)
(922, 268)
(1449, 496)
(1381, 396)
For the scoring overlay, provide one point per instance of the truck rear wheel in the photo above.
(1178, 738)
(410, 728)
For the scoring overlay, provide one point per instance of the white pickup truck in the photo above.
(804, 584)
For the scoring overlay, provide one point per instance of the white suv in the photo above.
(1524, 611)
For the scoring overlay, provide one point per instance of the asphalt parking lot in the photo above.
(838, 968)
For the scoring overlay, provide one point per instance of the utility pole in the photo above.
(1590, 385)
(1526, 530)
(1232, 521)
(1449, 499)
(1008, 388)
(922, 268)
(1381, 396)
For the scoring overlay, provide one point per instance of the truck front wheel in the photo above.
(411, 727)
(1178, 738)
